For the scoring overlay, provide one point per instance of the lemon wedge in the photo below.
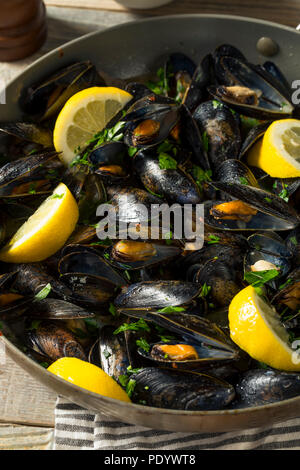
(278, 153)
(46, 231)
(256, 328)
(88, 376)
(85, 114)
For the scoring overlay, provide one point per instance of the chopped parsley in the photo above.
(205, 141)
(135, 326)
(42, 294)
(171, 310)
(205, 290)
(259, 278)
(112, 310)
(244, 180)
(213, 239)
(143, 344)
(166, 162)
(130, 387)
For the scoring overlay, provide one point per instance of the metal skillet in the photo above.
(130, 50)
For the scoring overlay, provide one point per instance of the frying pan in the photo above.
(129, 50)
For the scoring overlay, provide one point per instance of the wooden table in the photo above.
(26, 407)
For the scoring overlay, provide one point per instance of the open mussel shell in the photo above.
(87, 262)
(178, 72)
(18, 169)
(43, 100)
(130, 254)
(56, 309)
(181, 390)
(220, 129)
(263, 100)
(260, 387)
(200, 356)
(235, 171)
(110, 160)
(149, 123)
(157, 294)
(192, 328)
(89, 290)
(270, 248)
(54, 341)
(270, 211)
(173, 184)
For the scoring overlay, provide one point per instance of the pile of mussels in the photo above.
(150, 314)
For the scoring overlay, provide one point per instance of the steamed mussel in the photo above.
(141, 304)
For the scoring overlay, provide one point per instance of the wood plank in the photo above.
(22, 399)
(14, 437)
(287, 12)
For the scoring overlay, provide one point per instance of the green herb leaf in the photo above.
(171, 310)
(130, 387)
(213, 239)
(166, 162)
(205, 290)
(132, 151)
(44, 292)
(244, 180)
(143, 344)
(135, 326)
(259, 278)
(112, 310)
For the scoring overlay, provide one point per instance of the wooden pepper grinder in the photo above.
(23, 28)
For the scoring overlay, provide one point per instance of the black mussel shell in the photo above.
(157, 294)
(29, 132)
(110, 159)
(89, 263)
(56, 309)
(128, 204)
(260, 387)
(148, 122)
(220, 131)
(172, 184)
(130, 254)
(24, 166)
(268, 101)
(54, 341)
(45, 99)
(176, 390)
(234, 171)
(113, 353)
(273, 213)
(88, 290)
(201, 356)
(203, 76)
(253, 136)
(32, 278)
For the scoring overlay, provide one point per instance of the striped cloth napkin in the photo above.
(77, 428)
